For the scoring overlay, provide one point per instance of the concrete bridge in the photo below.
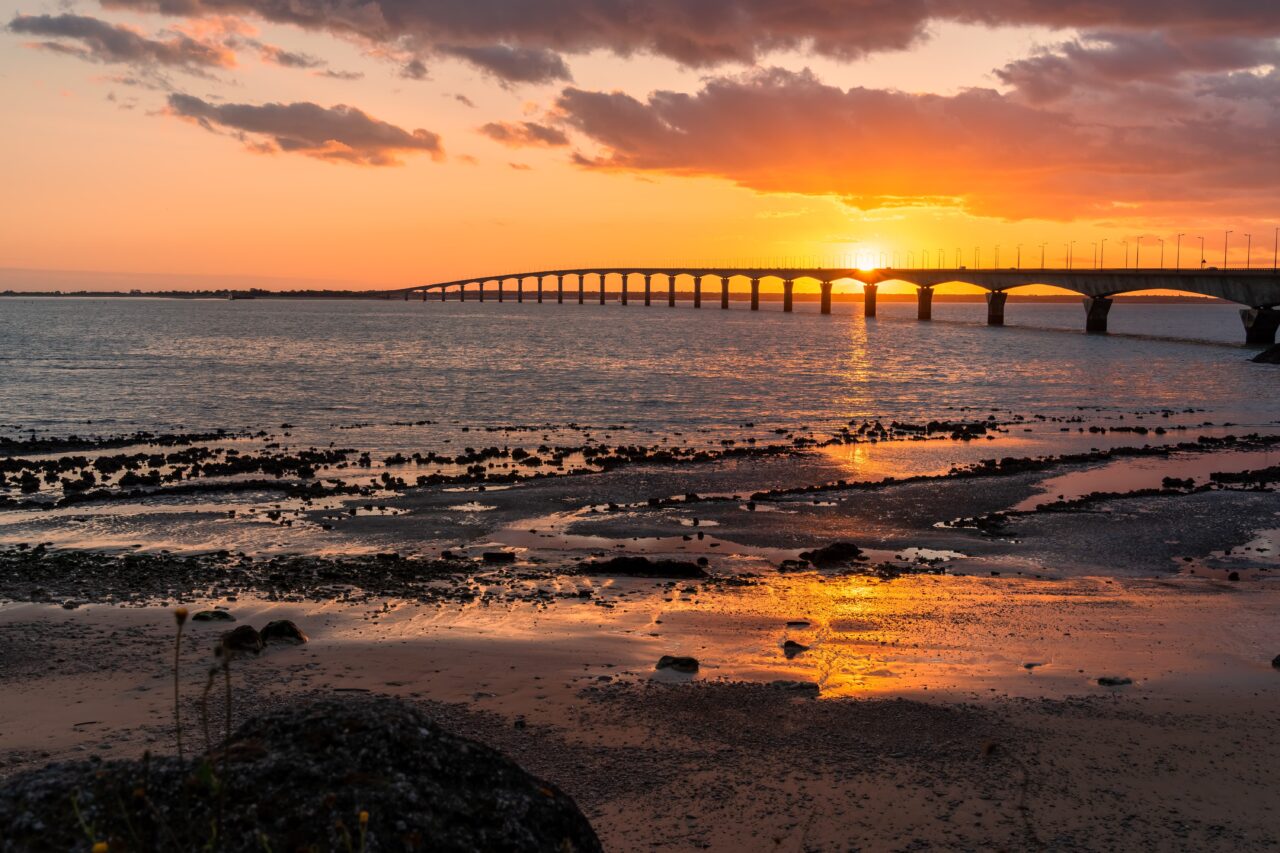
(1257, 290)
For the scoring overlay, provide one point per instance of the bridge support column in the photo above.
(482, 291)
(581, 288)
(520, 289)
(724, 292)
(1260, 325)
(924, 303)
(995, 307)
(501, 289)
(626, 277)
(443, 294)
(755, 294)
(1095, 314)
(826, 297)
(602, 275)
(406, 296)
(869, 299)
(671, 290)
(697, 291)
(787, 287)
(648, 290)
(539, 290)
(559, 290)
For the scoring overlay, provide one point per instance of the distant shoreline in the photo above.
(709, 298)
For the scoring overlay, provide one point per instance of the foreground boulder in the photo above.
(1269, 356)
(643, 567)
(300, 779)
(834, 555)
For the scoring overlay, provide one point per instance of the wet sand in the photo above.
(930, 729)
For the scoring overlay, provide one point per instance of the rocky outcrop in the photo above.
(352, 774)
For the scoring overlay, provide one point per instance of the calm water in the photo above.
(110, 365)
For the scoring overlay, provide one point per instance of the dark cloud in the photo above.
(525, 134)
(989, 153)
(708, 32)
(99, 41)
(513, 64)
(1112, 59)
(464, 100)
(414, 69)
(289, 59)
(335, 134)
(341, 75)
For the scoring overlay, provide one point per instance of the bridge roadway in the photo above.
(1257, 290)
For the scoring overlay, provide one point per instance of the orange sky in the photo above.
(155, 153)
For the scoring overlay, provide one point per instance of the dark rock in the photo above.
(498, 556)
(798, 623)
(242, 639)
(1233, 576)
(643, 567)
(1114, 680)
(791, 648)
(1275, 661)
(302, 778)
(679, 664)
(281, 631)
(213, 616)
(796, 686)
(833, 555)
(1268, 356)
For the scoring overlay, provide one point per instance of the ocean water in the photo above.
(100, 366)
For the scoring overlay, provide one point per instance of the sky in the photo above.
(382, 143)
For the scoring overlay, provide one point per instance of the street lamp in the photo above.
(1019, 263)
(1137, 252)
(1161, 239)
(1042, 246)
(1248, 250)
(977, 255)
(1226, 239)
(1202, 258)
(1071, 254)
(1126, 253)
(1275, 253)
(1178, 263)
(1102, 255)
(997, 256)
(1095, 255)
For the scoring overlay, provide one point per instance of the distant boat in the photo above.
(231, 294)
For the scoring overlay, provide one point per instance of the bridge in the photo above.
(1257, 290)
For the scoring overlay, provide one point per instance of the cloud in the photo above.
(992, 154)
(464, 100)
(414, 69)
(340, 75)
(710, 32)
(336, 134)
(513, 64)
(99, 41)
(525, 134)
(274, 55)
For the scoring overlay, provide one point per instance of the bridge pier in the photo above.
(826, 297)
(995, 307)
(1095, 314)
(869, 299)
(755, 294)
(648, 290)
(671, 290)
(481, 291)
(787, 287)
(443, 294)
(520, 289)
(581, 288)
(697, 291)
(924, 303)
(724, 292)
(539, 290)
(559, 290)
(626, 277)
(602, 277)
(1260, 325)
(501, 289)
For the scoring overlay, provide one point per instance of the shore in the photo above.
(954, 712)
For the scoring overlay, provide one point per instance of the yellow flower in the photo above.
(100, 847)
(180, 615)
(364, 818)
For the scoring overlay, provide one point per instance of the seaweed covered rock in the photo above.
(834, 555)
(643, 567)
(364, 774)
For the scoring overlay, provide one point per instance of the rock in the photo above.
(242, 639)
(834, 555)
(796, 686)
(213, 616)
(679, 664)
(1114, 680)
(281, 631)
(1275, 661)
(643, 567)
(1233, 576)
(798, 623)
(1268, 356)
(1032, 665)
(498, 556)
(301, 779)
(791, 648)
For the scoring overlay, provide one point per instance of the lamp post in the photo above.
(1178, 263)
(1226, 242)
(1042, 245)
(1126, 253)
(1248, 250)
(1275, 252)
(997, 256)
(1202, 258)
(1137, 252)
(1161, 239)
(1018, 265)
(1102, 255)
(1071, 254)
(977, 258)
(1095, 255)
